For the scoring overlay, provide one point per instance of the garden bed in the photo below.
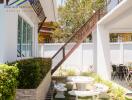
(34, 78)
(35, 94)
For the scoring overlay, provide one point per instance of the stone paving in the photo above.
(123, 83)
(52, 92)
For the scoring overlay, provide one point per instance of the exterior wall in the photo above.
(8, 31)
(35, 94)
(50, 9)
(43, 88)
(2, 30)
(83, 57)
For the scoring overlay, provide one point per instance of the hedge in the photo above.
(32, 71)
(8, 82)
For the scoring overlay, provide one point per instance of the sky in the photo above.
(60, 2)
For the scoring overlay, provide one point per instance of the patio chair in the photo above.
(128, 76)
(125, 71)
(120, 71)
(114, 71)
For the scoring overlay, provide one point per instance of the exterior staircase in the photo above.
(78, 37)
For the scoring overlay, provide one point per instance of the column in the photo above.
(103, 53)
(94, 39)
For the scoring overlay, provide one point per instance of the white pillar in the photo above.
(94, 37)
(121, 53)
(103, 53)
(35, 40)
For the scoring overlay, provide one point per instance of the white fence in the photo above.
(84, 54)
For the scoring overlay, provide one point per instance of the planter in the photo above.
(35, 94)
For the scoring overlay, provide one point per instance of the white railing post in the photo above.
(121, 53)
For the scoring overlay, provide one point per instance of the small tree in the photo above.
(75, 13)
(72, 16)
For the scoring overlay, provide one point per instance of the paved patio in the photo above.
(52, 92)
(123, 83)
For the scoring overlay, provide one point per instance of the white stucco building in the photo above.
(117, 20)
(19, 28)
(14, 22)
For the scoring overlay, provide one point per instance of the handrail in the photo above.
(38, 9)
(41, 24)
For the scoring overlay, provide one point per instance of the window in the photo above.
(120, 37)
(114, 37)
(24, 45)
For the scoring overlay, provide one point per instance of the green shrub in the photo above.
(70, 72)
(92, 74)
(32, 71)
(118, 93)
(8, 82)
(85, 73)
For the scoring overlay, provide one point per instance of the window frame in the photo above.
(28, 52)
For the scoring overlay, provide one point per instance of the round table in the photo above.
(81, 81)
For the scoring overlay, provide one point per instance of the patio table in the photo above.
(81, 81)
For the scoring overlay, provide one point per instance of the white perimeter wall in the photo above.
(83, 57)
